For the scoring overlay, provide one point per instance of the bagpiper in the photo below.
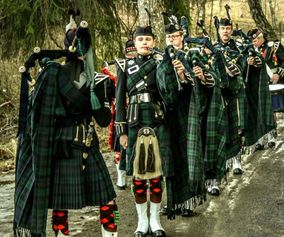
(59, 164)
(233, 94)
(272, 53)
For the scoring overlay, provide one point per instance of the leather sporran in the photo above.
(147, 161)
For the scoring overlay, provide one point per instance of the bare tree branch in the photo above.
(260, 19)
(6, 103)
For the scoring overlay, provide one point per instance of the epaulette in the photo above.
(158, 57)
(130, 62)
(99, 77)
(121, 63)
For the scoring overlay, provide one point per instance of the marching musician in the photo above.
(273, 57)
(185, 114)
(259, 119)
(232, 93)
(141, 128)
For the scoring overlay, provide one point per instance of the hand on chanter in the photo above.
(180, 69)
(250, 60)
(199, 73)
(123, 140)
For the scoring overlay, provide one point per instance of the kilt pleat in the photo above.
(24, 184)
(183, 121)
(98, 184)
(215, 148)
(259, 120)
(75, 188)
(233, 145)
(32, 183)
(177, 119)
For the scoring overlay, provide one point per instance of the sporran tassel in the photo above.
(95, 101)
(141, 157)
(89, 70)
(151, 158)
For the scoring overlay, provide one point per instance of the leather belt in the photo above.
(142, 97)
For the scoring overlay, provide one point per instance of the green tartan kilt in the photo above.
(259, 112)
(215, 146)
(233, 145)
(147, 119)
(24, 180)
(74, 188)
(252, 131)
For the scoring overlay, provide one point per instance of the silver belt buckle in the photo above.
(144, 97)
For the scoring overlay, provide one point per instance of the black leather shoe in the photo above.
(178, 211)
(187, 213)
(237, 171)
(215, 192)
(159, 233)
(163, 210)
(259, 147)
(271, 144)
(139, 234)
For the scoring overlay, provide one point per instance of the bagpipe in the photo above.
(44, 57)
(230, 57)
(191, 56)
(171, 53)
(205, 41)
(78, 46)
(245, 40)
(249, 51)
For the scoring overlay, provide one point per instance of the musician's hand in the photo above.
(232, 69)
(275, 78)
(257, 61)
(81, 58)
(180, 69)
(199, 73)
(250, 60)
(123, 140)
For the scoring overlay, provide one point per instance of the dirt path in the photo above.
(251, 205)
